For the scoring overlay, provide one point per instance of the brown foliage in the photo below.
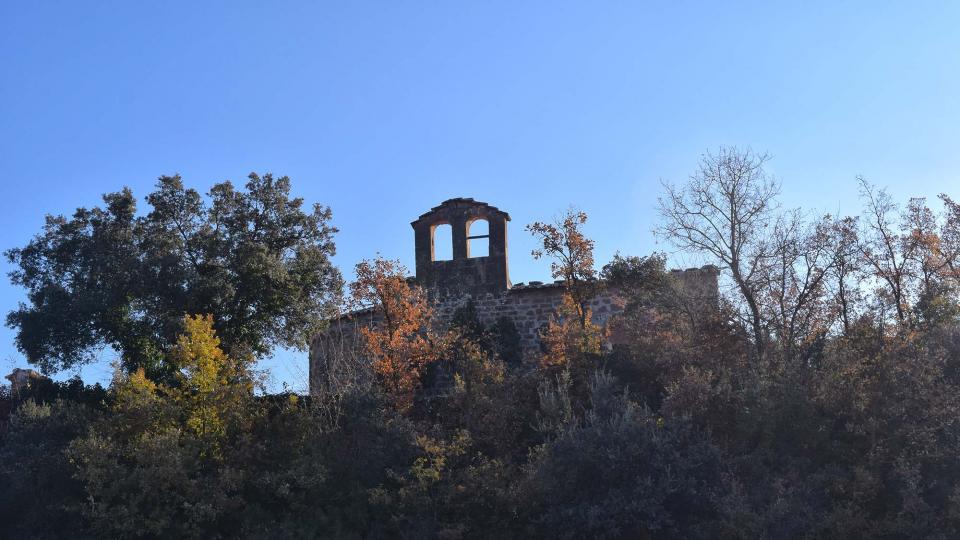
(572, 254)
(571, 333)
(568, 338)
(400, 342)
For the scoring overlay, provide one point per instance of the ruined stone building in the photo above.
(22, 379)
(477, 271)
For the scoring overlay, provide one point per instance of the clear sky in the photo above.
(384, 109)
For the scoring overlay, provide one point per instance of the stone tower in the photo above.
(472, 270)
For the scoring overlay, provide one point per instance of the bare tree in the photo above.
(842, 240)
(794, 303)
(950, 236)
(726, 210)
(884, 250)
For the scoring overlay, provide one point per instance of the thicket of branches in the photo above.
(820, 399)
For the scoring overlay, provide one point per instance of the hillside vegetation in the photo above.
(819, 399)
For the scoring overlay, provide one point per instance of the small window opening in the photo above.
(442, 243)
(478, 239)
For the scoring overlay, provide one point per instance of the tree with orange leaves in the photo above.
(566, 338)
(572, 254)
(572, 332)
(399, 342)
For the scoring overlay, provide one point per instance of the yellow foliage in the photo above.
(135, 387)
(473, 367)
(429, 468)
(211, 384)
(208, 399)
(138, 402)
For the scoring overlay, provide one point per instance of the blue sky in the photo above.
(383, 109)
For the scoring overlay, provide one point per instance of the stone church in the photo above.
(479, 271)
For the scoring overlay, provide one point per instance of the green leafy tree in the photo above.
(107, 276)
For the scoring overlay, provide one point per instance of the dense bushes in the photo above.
(819, 399)
(620, 470)
(40, 496)
(861, 445)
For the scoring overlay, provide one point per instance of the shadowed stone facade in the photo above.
(21, 379)
(335, 359)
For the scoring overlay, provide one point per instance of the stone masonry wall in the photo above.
(336, 360)
(530, 308)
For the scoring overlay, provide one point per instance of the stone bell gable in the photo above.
(479, 263)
